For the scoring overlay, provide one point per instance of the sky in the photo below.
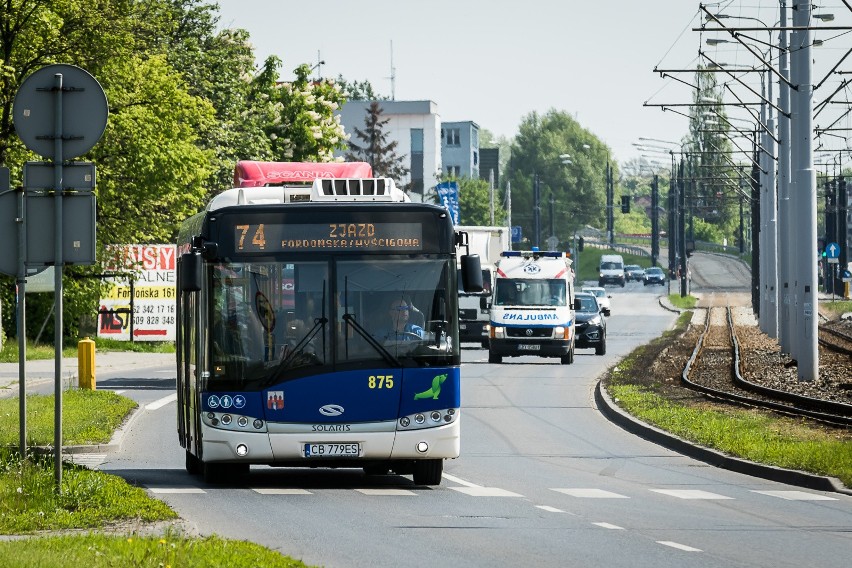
(495, 61)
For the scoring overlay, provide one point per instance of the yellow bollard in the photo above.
(86, 364)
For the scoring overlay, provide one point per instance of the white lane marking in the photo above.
(460, 481)
(609, 526)
(485, 492)
(175, 490)
(678, 546)
(274, 491)
(690, 494)
(796, 495)
(162, 402)
(92, 461)
(550, 509)
(590, 493)
(386, 492)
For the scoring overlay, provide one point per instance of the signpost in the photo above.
(832, 253)
(59, 112)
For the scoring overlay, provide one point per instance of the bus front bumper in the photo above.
(288, 448)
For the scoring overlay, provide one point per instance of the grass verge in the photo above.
(88, 417)
(9, 353)
(756, 435)
(104, 551)
(91, 500)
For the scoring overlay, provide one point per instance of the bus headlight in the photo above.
(241, 450)
(418, 421)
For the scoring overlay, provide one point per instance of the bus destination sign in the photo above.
(279, 237)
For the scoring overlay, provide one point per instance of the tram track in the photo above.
(729, 363)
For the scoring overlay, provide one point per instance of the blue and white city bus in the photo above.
(318, 325)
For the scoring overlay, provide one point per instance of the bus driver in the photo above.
(399, 328)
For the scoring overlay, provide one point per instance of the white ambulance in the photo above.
(532, 308)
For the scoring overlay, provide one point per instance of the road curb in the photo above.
(715, 458)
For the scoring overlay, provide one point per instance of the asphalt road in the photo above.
(544, 479)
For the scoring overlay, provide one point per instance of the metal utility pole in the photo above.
(491, 194)
(681, 231)
(786, 333)
(655, 220)
(842, 228)
(830, 228)
(536, 211)
(803, 199)
(609, 205)
(552, 232)
(672, 230)
(755, 230)
(769, 323)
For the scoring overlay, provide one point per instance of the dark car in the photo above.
(591, 323)
(655, 275)
(633, 272)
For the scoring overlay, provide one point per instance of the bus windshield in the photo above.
(276, 321)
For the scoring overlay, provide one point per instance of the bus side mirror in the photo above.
(190, 272)
(471, 273)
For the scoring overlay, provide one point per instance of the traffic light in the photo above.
(625, 204)
(580, 243)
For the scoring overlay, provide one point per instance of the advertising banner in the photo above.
(145, 273)
(448, 193)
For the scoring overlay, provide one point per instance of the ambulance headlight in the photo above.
(498, 332)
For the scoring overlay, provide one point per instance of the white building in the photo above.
(416, 127)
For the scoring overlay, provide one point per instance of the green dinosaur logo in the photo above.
(433, 392)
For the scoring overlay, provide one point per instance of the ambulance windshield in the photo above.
(530, 292)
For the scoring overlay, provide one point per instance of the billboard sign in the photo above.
(149, 271)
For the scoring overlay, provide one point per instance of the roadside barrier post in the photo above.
(86, 364)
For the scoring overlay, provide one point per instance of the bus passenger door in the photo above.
(187, 383)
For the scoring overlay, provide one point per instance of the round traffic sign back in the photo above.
(84, 111)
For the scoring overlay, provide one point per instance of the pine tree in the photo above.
(374, 147)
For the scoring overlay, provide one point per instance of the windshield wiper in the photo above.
(298, 349)
(386, 355)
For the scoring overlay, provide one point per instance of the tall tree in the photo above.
(574, 191)
(711, 174)
(375, 148)
(359, 90)
(304, 127)
(475, 203)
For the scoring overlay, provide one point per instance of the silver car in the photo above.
(601, 295)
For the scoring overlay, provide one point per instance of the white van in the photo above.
(611, 270)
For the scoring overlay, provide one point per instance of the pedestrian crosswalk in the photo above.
(480, 491)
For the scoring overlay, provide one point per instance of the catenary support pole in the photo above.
(803, 200)
(785, 329)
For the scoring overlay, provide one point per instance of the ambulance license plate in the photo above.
(529, 347)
